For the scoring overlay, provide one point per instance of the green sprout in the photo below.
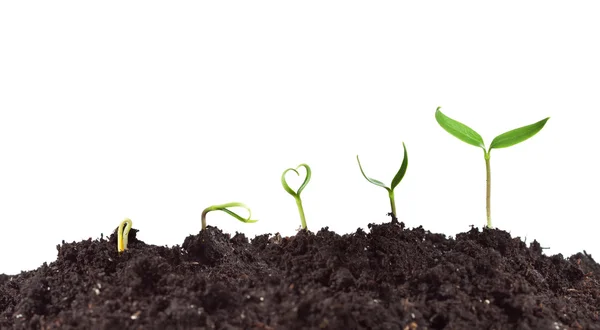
(296, 194)
(223, 207)
(122, 235)
(397, 178)
(468, 135)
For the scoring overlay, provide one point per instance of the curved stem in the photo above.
(488, 189)
(223, 207)
(204, 217)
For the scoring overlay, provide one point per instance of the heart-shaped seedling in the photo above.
(122, 235)
(504, 140)
(395, 181)
(296, 194)
(223, 207)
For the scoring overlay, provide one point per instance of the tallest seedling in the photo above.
(468, 135)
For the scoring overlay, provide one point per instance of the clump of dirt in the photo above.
(388, 278)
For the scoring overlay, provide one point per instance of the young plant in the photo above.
(468, 135)
(122, 235)
(296, 194)
(397, 178)
(223, 207)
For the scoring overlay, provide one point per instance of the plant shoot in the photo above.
(223, 207)
(468, 135)
(395, 181)
(296, 194)
(122, 235)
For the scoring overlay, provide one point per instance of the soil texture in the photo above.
(388, 278)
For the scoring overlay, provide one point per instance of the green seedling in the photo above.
(296, 194)
(468, 135)
(223, 207)
(395, 181)
(122, 235)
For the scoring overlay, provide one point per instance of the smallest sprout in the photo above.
(223, 207)
(123, 234)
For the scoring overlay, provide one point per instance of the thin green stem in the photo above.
(488, 189)
(301, 211)
(393, 204)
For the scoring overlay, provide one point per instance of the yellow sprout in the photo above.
(123, 234)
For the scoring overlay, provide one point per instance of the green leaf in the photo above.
(517, 135)
(459, 130)
(398, 177)
(373, 181)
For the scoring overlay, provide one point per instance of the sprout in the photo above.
(123, 234)
(468, 135)
(223, 207)
(397, 178)
(296, 194)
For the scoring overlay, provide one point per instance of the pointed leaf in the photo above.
(518, 135)
(459, 130)
(373, 181)
(398, 177)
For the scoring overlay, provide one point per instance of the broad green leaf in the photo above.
(518, 135)
(373, 181)
(459, 130)
(398, 177)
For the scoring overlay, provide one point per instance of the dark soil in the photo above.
(389, 278)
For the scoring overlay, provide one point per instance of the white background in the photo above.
(156, 110)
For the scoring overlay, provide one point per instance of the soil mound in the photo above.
(388, 278)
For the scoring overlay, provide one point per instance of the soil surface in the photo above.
(388, 278)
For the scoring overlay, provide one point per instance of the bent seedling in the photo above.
(504, 140)
(223, 207)
(397, 178)
(122, 235)
(296, 194)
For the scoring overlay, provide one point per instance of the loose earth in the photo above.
(388, 278)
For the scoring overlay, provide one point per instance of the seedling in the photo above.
(223, 207)
(122, 235)
(397, 178)
(296, 194)
(504, 140)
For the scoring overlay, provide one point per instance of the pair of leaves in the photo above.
(295, 170)
(504, 140)
(397, 178)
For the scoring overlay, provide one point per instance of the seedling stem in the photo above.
(488, 189)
